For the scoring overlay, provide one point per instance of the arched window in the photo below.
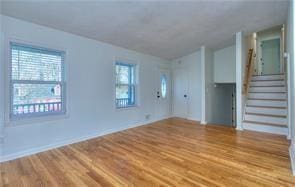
(163, 86)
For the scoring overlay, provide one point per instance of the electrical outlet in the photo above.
(147, 117)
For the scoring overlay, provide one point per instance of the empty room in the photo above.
(147, 93)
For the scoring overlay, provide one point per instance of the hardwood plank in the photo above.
(173, 152)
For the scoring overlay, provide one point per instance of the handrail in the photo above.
(249, 71)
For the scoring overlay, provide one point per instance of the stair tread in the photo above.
(268, 86)
(263, 123)
(264, 99)
(267, 115)
(273, 107)
(268, 75)
(267, 80)
(267, 92)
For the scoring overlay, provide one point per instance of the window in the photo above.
(125, 85)
(37, 81)
(163, 86)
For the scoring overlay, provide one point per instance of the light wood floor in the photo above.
(172, 152)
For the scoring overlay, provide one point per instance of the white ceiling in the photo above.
(167, 29)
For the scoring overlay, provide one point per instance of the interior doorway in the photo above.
(224, 104)
(270, 56)
(269, 51)
(180, 93)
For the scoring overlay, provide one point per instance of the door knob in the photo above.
(185, 96)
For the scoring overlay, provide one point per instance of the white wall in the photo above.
(209, 85)
(225, 65)
(91, 110)
(216, 99)
(1, 90)
(241, 56)
(290, 50)
(192, 63)
(203, 96)
(225, 73)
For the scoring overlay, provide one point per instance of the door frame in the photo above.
(169, 92)
(186, 116)
(259, 51)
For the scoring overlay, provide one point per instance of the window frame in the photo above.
(12, 119)
(135, 65)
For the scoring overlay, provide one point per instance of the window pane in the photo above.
(163, 86)
(28, 63)
(36, 93)
(125, 85)
(122, 74)
(32, 98)
(125, 96)
(122, 91)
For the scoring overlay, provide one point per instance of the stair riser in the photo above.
(265, 128)
(267, 89)
(269, 111)
(267, 83)
(267, 96)
(266, 119)
(268, 77)
(267, 103)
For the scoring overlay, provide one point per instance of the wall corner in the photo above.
(292, 155)
(203, 86)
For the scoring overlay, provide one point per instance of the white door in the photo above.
(163, 94)
(180, 93)
(270, 60)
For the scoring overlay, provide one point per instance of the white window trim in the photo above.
(15, 121)
(137, 90)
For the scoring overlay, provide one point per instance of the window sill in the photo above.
(35, 120)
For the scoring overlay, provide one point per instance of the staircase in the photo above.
(266, 104)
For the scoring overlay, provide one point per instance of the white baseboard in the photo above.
(163, 118)
(203, 122)
(239, 128)
(186, 117)
(194, 119)
(32, 151)
(292, 155)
